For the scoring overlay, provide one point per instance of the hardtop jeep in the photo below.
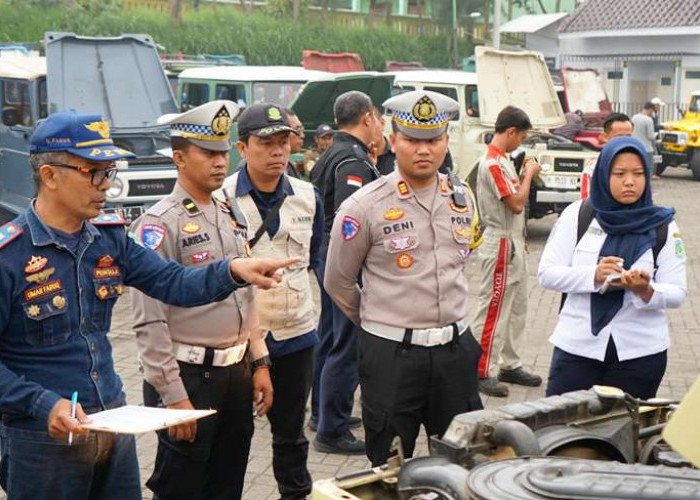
(120, 78)
(680, 139)
(508, 78)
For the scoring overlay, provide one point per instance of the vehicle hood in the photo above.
(689, 123)
(584, 90)
(518, 79)
(314, 104)
(120, 78)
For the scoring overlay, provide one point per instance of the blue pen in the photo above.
(73, 407)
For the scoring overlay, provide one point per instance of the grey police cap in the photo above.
(421, 114)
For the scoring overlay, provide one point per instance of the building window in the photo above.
(665, 81)
(692, 75)
(450, 92)
(615, 75)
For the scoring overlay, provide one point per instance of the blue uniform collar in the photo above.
(245, 186)
(43, 235)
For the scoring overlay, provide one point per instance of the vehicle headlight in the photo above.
(547, 163)
(116, 189)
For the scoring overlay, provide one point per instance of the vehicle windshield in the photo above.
(280, 93)
(695, 104)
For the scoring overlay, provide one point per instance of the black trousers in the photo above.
(291, 379)
(639, 377)
(404, 386)
(213, 466)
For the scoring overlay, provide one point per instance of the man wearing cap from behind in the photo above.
(63, 266)
(211, 356)
(409, 233)
(285, 218)
(323, 138)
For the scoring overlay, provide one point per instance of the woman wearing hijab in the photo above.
(612, 328)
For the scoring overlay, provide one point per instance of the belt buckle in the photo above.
(193, 354)
(435, 336)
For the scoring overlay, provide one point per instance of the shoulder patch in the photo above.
(109, 219)
(9, 232)
(152, 236)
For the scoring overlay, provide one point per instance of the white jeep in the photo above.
(508, 78)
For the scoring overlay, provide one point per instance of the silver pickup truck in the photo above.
(120, 78)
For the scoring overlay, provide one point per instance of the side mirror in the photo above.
(10, 117)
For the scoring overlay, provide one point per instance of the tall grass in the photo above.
(263, 38)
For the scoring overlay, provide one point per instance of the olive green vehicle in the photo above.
(680, 140)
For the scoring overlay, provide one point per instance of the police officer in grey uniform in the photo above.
(410, 234)
(211, 356)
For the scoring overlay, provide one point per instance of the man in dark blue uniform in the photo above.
(340, 171)
(64, 265)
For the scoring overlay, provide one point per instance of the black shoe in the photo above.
(520, 377)
(491, 387)
(353, 423)
(344, 445)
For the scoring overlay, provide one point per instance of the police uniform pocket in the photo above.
(45, 320)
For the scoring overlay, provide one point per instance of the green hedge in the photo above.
(264, 38)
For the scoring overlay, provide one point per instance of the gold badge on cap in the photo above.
(274, 114)
(424, 110)
(221, 124)
(101, 127)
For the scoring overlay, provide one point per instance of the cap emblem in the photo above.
(424, 110)
(221, 124)
(101, 127)
(273, 114)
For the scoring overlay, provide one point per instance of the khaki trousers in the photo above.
(500, 317)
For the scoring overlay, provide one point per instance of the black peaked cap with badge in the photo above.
(421, 114)
(207, 126)
(263, 120)
(323, 130)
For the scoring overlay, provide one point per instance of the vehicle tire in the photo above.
(695, 166)
(660, 167)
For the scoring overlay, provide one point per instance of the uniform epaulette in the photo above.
(109, 219)
(9, 232)
(162, 206)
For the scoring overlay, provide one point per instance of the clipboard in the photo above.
(131, 419)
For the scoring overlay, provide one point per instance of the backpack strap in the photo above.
(661, 237)
(585, 217)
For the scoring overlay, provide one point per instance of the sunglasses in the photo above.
(97, 175)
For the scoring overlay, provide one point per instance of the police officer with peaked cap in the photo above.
(211, 356)
(410, 234)
(63, 266)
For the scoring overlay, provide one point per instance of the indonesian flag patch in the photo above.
(354, 181)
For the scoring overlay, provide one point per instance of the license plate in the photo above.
(561, 182)
(131, 213)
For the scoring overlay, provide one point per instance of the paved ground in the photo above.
(675, 189)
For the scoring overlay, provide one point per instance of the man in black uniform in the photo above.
(342, 169)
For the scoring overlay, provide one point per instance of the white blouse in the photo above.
(639, 328)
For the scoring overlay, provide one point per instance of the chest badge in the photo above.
(35, 264)
(33, 310)
(105, 261)
(200, 257)
(459, 210)
(59, 301)
(190, 228)
(405, 260)
(401, 243)
(41, 276)
(102, 292)
(462, 234)
(394, 214)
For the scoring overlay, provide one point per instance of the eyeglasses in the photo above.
(299, 131)
(97, 175)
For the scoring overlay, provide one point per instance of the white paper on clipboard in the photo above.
(132, 419)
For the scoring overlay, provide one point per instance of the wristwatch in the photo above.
(264, 361)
